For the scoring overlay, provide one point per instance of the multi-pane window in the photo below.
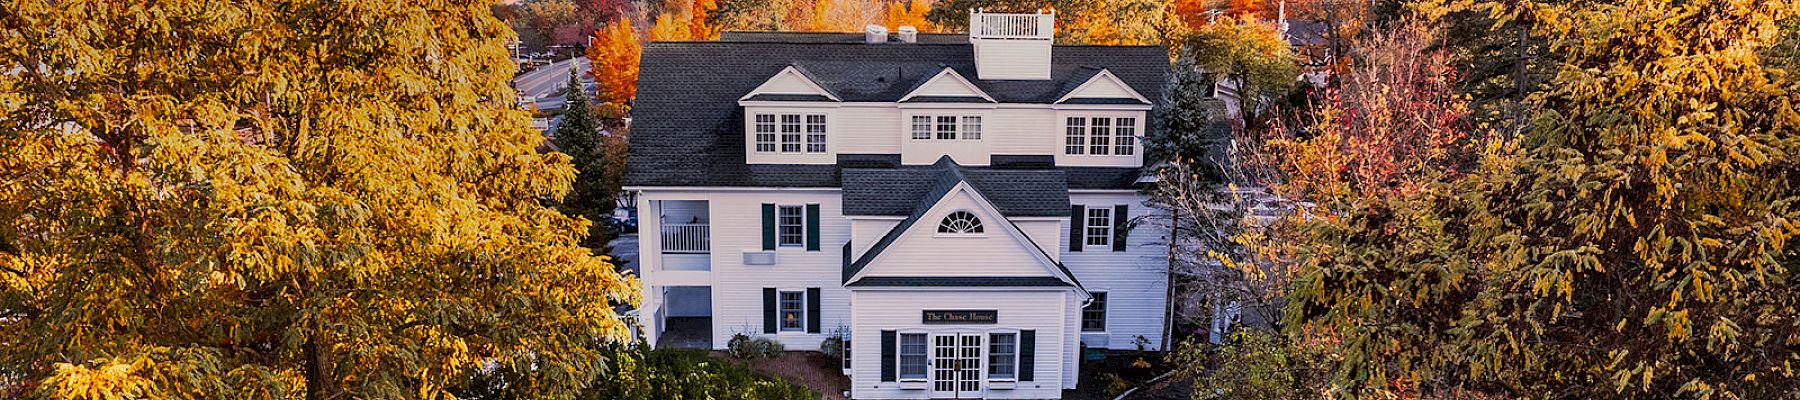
(960, 222)
(793, 311)
(971, 128)
(792, 225)
(912, 356)
(921, 127)
(815, 133)
(790, 133)
(765, 133)
(946, 127)
(1125, 129)
(1093, 316)
(1077, 136)
(1003, 351)
(1100, 136)
(1099, 226)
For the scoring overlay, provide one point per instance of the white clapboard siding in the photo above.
(922, 252)
(1006, 59)
(867, 129)
(1104, 85)
(1023, 131)
(1043, 310)
(946, 83)
(1135, 280)
(864, 232)
(1045, 231)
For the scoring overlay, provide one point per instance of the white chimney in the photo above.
(1012, 46)
(909, 34)
(876, 34)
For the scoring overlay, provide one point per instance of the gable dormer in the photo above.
(1104, 88)
(1012, 46)
(792, 83)
(947, 86)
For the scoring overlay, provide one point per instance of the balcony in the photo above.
(1011, 26)
(686, 239)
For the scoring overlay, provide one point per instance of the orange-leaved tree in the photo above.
(614, 58)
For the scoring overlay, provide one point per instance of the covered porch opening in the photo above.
(686, 315)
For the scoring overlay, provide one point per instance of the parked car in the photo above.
(625, 219)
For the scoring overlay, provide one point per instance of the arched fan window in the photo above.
(960, 222)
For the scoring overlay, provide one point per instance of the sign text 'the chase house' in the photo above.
(961, 316)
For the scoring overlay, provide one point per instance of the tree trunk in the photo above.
(318, 379)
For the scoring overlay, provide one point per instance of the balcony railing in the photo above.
(1011, 26)
(686, 238)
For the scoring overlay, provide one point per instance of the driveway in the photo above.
(625, 247)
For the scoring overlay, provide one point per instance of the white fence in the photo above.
(1011, 26)
(686, 238)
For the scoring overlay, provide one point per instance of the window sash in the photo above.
(1003, 351)
(1099, 136)
(912, 356)
(1099, 226)
(765, 133)
(790, 133)
(1076, 142)
(971, 128)
(815, 133)
(793, 311)
(946, 127)
(1126, 131)
(921, 127)
(1093, 317)
(793, 226)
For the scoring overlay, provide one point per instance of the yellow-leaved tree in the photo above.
(263, 200)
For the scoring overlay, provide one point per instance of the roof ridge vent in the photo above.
(875, 34)
(908, 34)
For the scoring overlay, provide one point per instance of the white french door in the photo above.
(956, 365)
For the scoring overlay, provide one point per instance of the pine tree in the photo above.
(578, 134)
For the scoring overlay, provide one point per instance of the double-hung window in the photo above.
(1076, 143)
(1093, 317)
(946, 127)
(912, 356)
(792, 220)
(921, 127)
(765, 133)
(1100, 136)
(1099, 226)
(793, 311)
(1003, 352)
(790, 133)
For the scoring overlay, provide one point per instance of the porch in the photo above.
(685, 235)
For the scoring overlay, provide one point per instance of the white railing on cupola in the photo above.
(1011, 26)
(686, 238)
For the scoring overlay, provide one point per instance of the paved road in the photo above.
(625, 247)
(544, 82)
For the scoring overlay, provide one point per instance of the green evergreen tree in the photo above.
(579, 136)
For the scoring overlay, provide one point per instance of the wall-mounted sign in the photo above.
(961, 316)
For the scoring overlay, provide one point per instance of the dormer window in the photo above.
(946, 127)
(790, 133)
(960, 223)
(1100, 136)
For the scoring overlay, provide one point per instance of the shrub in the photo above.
(743, 346)
(688, 374)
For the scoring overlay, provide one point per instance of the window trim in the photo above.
(959, 127)
(1081, 137)
(1012, 376)
(924, 356)
(979, 229)
(781, 235)
(803, 139)
(1105, 236)
(799, 311)
(1101, 299)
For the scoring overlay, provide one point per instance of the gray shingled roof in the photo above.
(687, 129)
(1028, 193)
(905, 190)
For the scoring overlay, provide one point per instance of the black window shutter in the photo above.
(812, 310)
(769, 310)
(1027, 354)
(1077, 214)
(768, 226)
(887, 356)
(1120, 223)
(812, 227)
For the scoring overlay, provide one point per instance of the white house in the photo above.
(965, 209)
